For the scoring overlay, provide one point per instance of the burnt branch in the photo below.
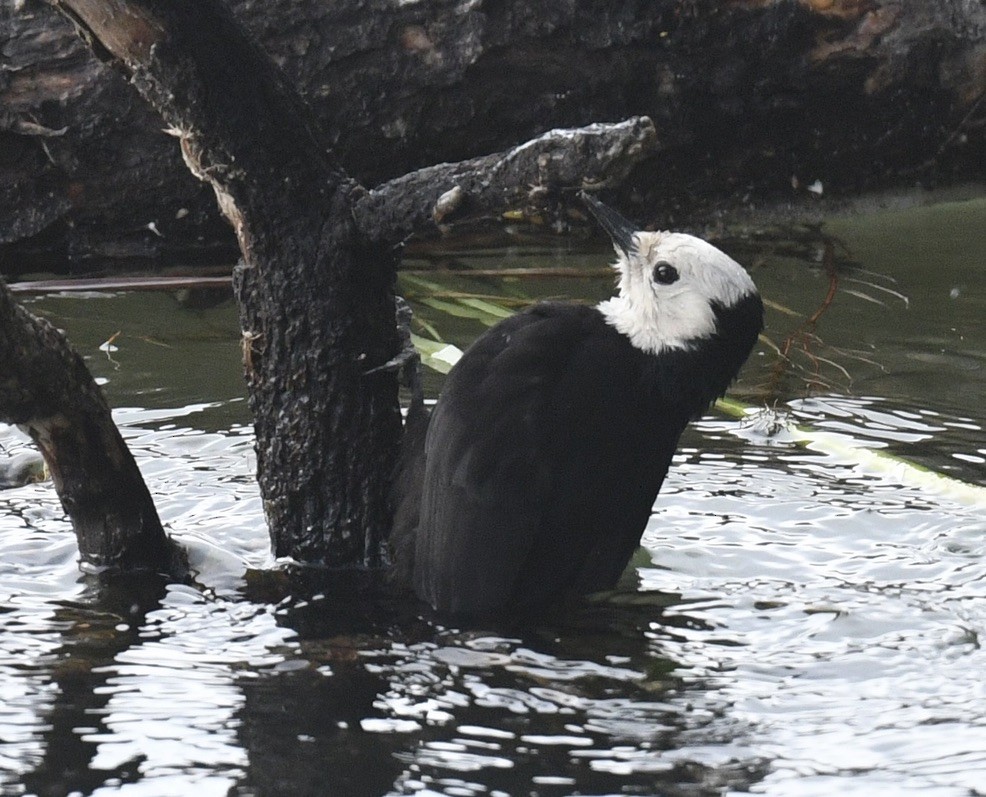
(590, 158)
(316, 286)
(316, 301)
(46, 390)
(240, 127)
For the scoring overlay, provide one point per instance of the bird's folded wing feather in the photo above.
(522, 451)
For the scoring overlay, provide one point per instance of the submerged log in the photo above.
(749, 97)
(46, 389)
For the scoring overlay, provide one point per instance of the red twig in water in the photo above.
(805, 332)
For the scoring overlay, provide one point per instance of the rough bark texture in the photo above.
(46, 389)
(746, 94)
(317, 306)
(534, 173)
(315, 287)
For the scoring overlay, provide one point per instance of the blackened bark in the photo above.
(745, 94)
(46, 389)
(533, 173)
(317, 305)
(326, 430)
(315, 289)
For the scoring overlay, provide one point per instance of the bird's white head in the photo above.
(673, 288)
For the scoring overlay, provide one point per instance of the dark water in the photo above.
(802, 620)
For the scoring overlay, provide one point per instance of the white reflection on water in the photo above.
(163, 705)
(843, 614)
(173, 697)
(826, 639)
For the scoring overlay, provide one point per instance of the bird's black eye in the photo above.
(665, 273)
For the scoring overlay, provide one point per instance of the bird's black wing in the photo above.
(534, 464)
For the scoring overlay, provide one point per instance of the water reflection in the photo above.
(72, 673)
(473, 712)
(799, 622)
(836, 604)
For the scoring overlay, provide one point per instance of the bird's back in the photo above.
(542, 461)
(556, 428)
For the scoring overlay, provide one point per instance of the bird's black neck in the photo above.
(690, 379)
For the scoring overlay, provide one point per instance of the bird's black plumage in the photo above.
(537, 471)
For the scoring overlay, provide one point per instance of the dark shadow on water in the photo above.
(380, 697)
(99, 626)
(386, 698)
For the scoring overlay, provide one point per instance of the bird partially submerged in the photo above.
(536, 473)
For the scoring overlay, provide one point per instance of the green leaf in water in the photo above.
(435, 354)
(490, 309)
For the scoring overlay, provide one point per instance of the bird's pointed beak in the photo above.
(617, 227)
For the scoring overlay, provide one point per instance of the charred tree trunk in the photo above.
(46, 389)
(746, 94)
(319, 260)
(318, 306)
